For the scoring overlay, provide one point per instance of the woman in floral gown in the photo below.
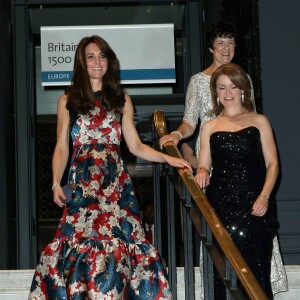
(99, 250)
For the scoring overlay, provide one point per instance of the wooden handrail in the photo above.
(242, 270)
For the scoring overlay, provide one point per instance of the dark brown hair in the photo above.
(81, 97)
(221, 30)
(239, 78)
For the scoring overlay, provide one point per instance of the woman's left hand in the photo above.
(202, 177)
(260, 207)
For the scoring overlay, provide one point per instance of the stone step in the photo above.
(15, 284)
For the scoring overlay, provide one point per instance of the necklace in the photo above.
(98, 94)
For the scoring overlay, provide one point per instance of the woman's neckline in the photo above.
(237, 131)
(205, 74)
(97, 94)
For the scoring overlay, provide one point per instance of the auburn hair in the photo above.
(239, 78)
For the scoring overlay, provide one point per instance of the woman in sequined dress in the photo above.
(99, 250)
(239, 147)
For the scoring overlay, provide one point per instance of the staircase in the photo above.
(15, 284)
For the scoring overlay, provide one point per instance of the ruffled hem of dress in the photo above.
(98, 267)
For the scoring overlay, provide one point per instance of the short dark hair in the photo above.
(222, 29)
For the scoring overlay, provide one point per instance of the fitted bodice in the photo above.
(238, 159)
(95, 127)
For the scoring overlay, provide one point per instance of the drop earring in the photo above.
(218, 100)
(242, 97)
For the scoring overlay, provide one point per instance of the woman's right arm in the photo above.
(189, 154)
(203, 170)
(190, 119)
(61, 151)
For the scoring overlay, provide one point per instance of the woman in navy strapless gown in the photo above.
(238, 165)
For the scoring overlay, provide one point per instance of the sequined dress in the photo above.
(237, 178)
(198, 102)
(99, 250)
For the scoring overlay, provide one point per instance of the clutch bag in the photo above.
(68, 190)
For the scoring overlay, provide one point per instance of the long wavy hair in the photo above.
(81, 97)
(239, 78)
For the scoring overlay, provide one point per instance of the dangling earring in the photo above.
(242, 97)
(218, 100)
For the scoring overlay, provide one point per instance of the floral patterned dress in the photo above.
(99, 250)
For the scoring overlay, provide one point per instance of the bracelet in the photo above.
(55, 185)
(202, 168)
(179, 133)
(264, 197)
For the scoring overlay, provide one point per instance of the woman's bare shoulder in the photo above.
(63, 97)
(209, 125)
(259, 118)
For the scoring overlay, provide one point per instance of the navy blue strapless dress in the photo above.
(238, 175)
